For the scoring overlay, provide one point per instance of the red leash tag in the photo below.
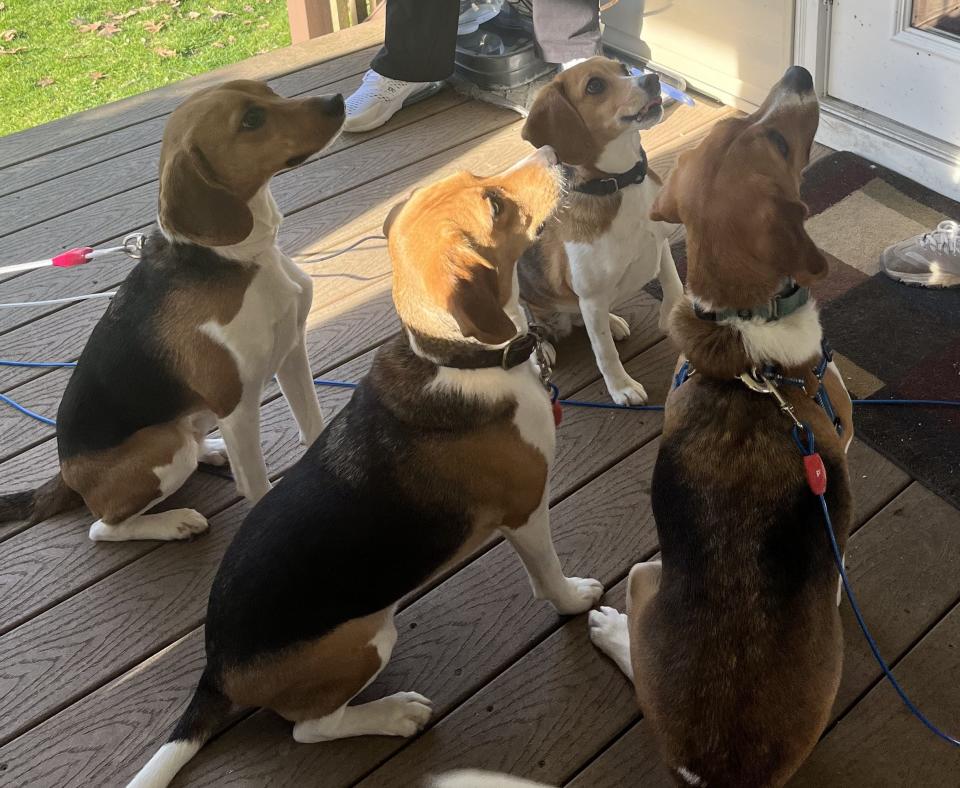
(557, 413)
(72, 257)
(816, 473)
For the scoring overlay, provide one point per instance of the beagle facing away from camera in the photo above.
(733, 640)
(448, 439)
(209, 314)
(602, 246)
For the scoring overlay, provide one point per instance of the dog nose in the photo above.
(651, 84)
(331, 105)
(798, 79)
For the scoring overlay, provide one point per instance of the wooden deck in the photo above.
(101, 644)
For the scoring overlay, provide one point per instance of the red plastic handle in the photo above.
(557, 413)
(72, 257)
(816, 473)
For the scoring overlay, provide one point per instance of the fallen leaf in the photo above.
(247, 22)
(77, 21)
(248, 9)
(216, 15)
(154, 27)
(124, 15)
(164, 52)
(218, 45)
(2, 6)
(8, 35)
(96, 76)
(264, 26)
(91, 27)
(193, 15)
(45, 82)
(12, 50)
(231, 39)
(108, 30)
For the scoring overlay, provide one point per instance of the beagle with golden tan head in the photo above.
(210, 313)
(603, 247)
(733, 639)
(447, 440)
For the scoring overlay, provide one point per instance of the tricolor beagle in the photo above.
(448, 439)
(733, 639)
(209, 314)
(602, 247)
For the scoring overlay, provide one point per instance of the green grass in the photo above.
(160, 42)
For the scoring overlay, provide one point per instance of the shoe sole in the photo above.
(918, 280)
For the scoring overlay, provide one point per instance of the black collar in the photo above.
(610, 184)
(462, 355)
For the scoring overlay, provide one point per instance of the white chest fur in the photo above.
(626, 256)
(534, 415)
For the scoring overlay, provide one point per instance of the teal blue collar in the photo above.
(786, 302)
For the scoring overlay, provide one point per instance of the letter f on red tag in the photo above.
(816, 473)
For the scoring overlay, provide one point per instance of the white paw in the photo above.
(404, 713)
(608, 628)
(213, 451)
(619, 327)
(628, 392)
(582, 594)
(186, 523)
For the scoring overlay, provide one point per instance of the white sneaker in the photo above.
(378, 99)
(928, 260)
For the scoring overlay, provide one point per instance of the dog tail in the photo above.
(37, 505)
(208, 710)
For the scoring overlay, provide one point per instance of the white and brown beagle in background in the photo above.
(602, 246)
(733, 640)
(209, 314)
(447, 440)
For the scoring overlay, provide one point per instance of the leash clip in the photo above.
(133, 245)
(755, 381)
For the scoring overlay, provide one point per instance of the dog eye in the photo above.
(596, 85)
(496, 204)
(777, 139)
(253, 118)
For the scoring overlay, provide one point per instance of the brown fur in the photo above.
(118, 483)
(737, 645)
(205, 365)
(310, 680)
(462, 267)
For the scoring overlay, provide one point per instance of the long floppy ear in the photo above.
(554, 121)
(789, 246)
(474, 300)
(393, 214)
(665, 207)
(194, 206)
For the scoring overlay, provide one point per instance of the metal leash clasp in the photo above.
(756, 382)
(543, 361)
(133, 245)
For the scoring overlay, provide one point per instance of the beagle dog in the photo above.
(209, 314)
(602, 247)
(733, 639)
(448, 439)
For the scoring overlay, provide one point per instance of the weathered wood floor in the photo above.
(101, 644)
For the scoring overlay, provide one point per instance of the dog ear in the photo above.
(790, 247)
(554, 121)
(474, 300)
(665, 207)
(193, 205)
(394, 213)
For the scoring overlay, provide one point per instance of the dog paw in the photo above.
(404, 713)
(619, 327)
(187, 523)
(608, 627)
(629, 392)
(213, 451)
(582, 594)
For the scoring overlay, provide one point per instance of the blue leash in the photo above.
(809, 451)
(574, 403)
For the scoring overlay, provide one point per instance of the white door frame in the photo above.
(844, 126)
